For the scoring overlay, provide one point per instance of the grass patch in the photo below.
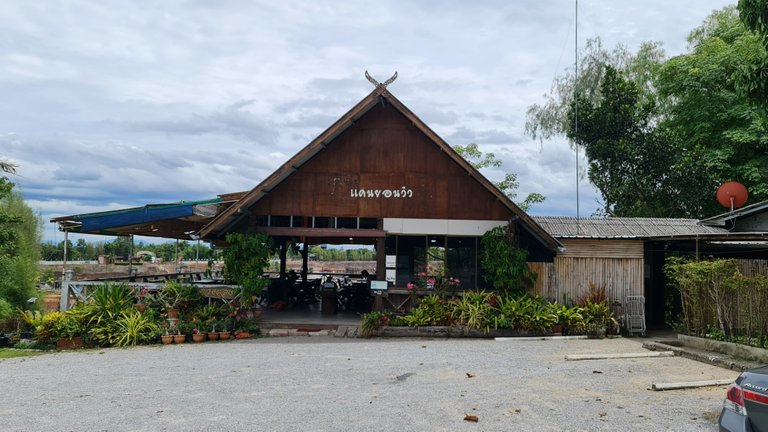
(6, 353)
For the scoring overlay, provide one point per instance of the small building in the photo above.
(625, 256)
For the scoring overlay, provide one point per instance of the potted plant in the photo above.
(182, 330)
(69, 330)
(224, 327)
(166, 338)
(175, 295)
(210, 327)
(198, 335)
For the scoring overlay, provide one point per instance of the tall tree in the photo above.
(508, 185)
(693, 109)
(710, 113)
(19, 247)
(552, 118)
(629, 159)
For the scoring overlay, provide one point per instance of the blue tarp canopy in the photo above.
(181, 220)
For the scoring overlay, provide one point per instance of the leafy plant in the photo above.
(504, 264)
(68, 327)
(571, 318)
(245, 259)
(432, 310)
(6, 310)
(133, 328)
(177, 295)
(473, 310)
(372, 321)
(107, 303)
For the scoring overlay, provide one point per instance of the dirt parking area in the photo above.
(331, 384)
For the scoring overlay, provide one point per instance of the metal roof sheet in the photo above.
(630, 228)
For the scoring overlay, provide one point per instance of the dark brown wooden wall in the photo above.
(383, 151)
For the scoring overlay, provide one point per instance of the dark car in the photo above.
(746, 403)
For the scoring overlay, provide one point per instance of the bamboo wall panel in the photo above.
(569, 278)
(602, 248)
(382, 151)
(545, 282)
(752, 267)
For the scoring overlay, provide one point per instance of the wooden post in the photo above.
(65, 278)
(381, 259)
(130, 256)
(304, 260)
(283, 256)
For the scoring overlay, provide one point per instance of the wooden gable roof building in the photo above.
(376, 174)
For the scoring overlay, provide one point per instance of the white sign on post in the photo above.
(378, 285)
(390, 275)
(391, 261)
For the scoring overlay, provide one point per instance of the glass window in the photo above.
(346, 222)
(324, 222)
(300, 221)
(411, 258)
(369, 223)
(461, 260)
(280, 221)
(436, 254)
(262, 220)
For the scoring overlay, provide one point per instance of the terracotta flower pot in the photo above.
(173, 313)
(213, 336)
(75, 342)
(141, 307)
(167, 339)
(224, 335)
(179, 339)
(198, 337)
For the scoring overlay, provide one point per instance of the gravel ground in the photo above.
(332, 384)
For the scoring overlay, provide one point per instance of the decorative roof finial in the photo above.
(378, 84)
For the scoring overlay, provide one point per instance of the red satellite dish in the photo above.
(732, 195)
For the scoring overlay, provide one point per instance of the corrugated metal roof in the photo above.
(566, 227)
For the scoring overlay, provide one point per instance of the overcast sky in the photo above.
(113, 104)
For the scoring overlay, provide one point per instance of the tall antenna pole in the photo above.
(576, 108)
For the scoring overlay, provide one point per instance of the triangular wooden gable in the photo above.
(378, 161)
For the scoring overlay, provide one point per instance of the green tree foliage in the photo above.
(334, 254)
(504, 265)
(710, 114)
(509, 185)
(83, 250)
(633, 163)
(245, 258)
(660, 135)
(752, 77)
(553, 117)
(19, 246)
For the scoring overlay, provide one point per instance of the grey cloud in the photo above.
(233, 120)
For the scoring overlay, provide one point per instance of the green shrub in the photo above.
(473, 310)
(372, 321)
(505, 265)
(134, 328)
(432, 310)
(69, 326)
(6, 310)
(246, 257)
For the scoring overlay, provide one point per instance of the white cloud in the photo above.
(126, 103)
